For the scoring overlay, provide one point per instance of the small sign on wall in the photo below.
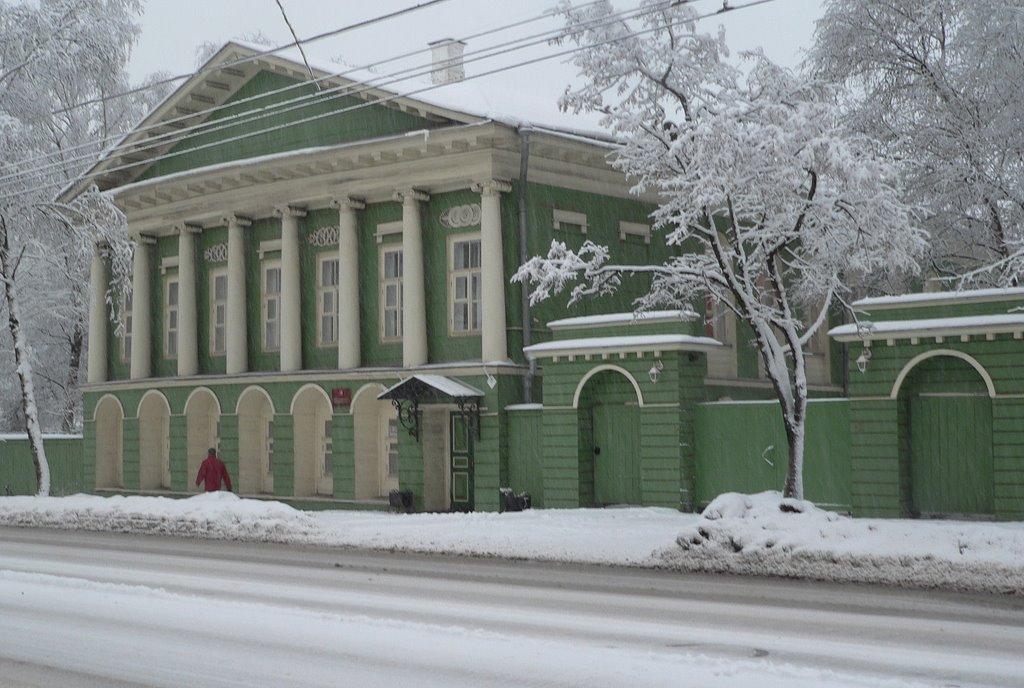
(341, 397)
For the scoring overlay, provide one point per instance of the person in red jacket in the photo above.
(212, 471)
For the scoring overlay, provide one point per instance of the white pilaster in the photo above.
(97, 316)
(414, 306)
(349, 355)
(493, 335)
(188, 333)
(237, 332)
(291, 303)
(141, 364)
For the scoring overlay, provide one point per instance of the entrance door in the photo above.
(461, 463)
(951, 454)
(616, 454)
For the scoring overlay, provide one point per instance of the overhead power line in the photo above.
(61, 157)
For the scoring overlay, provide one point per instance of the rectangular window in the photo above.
(218, 312)
(391, 294)
(171, 317)
(126, 332)
(392, 447)
(327, 300)
(464, 286)
(271, 306)
(328, 450)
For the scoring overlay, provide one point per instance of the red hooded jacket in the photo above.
(212, 471)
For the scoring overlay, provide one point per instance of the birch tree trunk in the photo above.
(24, 365)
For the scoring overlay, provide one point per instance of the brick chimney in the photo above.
(446, 56)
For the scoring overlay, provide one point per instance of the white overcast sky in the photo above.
(173, 29)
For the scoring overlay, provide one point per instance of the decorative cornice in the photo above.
(348, 203)
(284, 211)
(187, 228)
(235, 219)
(492, 187)
(460, 216)
(325, 236)
(218, 253)
(409, 195)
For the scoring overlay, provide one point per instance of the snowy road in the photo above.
(89, 609)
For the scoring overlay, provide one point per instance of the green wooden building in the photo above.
(321, 290)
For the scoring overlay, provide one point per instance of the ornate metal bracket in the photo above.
(470, 410)
(409, 415)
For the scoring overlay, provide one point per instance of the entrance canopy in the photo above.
(408, 394)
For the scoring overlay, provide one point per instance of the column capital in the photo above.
(188, 228)
(235, 219)
(283, 211)
(348, 202)
(491, 187)
(410, 195)
(144, 239)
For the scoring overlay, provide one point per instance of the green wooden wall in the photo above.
(63, 455)
(756, 459)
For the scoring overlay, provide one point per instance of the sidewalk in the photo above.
(741, 534)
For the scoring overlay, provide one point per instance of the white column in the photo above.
(414, 302)
(349, 355)
(237, 333)
(98, 316)
(188, 333)
(141, 317)
(291, 302)
(493, 336)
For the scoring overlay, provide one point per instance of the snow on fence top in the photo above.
(628, 318)
(933, 298)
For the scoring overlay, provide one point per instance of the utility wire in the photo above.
(179, 134)
(263, 53)
(420, 90)
(298, 44)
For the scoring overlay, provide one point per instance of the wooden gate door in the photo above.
(616, 454)
(951, 454)
(461, 464)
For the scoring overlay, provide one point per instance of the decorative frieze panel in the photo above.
(460, 216)
(218, 253)
(325, 236)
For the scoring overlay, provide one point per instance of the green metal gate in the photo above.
(616, 431)
(951, 454)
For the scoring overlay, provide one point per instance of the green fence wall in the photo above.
(741, 447)
(63, 454)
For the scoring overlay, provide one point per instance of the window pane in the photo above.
(220, 287)
(460, 317)
(273, 280)
(460, 287)
(172, 293)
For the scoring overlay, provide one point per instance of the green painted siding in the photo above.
(374, 351)
(267, 229)
(314, 356)
(526, 453)
(319, 121)
(209, 363)
(757, 458)
(64, 456)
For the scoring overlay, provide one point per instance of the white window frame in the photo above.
(468, 274)
(172, 315)
(385, 282)
(126, 329)
(324, 294)
(569, 217)
(265, 300)
(218, 273)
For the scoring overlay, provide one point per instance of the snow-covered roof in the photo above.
(628, 318)
(931, 327)
(940, 297)
(475, 97)
(445, 385)
(627, 344)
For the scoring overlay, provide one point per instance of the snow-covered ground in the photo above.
(745, 534)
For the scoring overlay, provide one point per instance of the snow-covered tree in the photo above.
(938, 83)
(53, 54)
(770, 201)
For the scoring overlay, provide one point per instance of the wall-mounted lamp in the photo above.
(862, 360)
(655, 372)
